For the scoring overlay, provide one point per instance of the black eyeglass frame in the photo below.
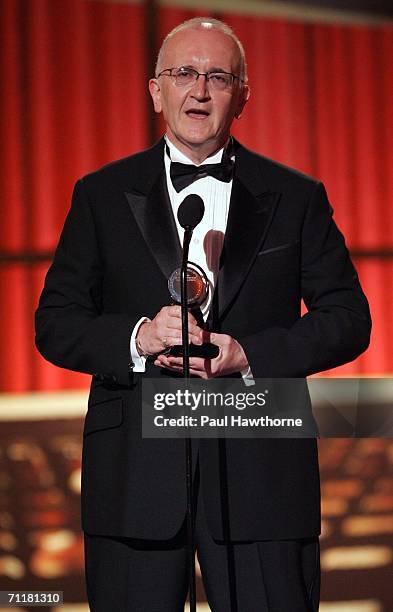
(207, 75)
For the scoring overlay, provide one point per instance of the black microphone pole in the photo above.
(184, 301)
(186, 375)
(190, 213)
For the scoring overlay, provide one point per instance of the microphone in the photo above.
(190, 214)
(191, 211)
(188, 285)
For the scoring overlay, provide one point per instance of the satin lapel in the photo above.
(248, 223)
(154, 216)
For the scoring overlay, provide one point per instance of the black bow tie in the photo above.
(183, 175)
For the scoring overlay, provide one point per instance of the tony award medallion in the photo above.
(197, 293)
(197, 285)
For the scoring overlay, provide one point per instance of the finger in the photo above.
(172, 324)
(176, 323)
(176, 364)
(175, 331)
(168, 337)
(166, 361)
(162, 360)
(215, 338)
(171, 339)
(203, 375)
(175, 312)
(172, 311)
(199, 363)
(195, 335)
(173, 327)
(175, 361)
(191, 319)
(170, 369)
(175, 339)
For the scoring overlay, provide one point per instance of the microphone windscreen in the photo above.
(191, 211)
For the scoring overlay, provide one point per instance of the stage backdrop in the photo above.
(74, 96)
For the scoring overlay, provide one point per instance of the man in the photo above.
(106, 298)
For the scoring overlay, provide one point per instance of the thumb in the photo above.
(214, 338)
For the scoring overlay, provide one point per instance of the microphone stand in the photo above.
(186, 375)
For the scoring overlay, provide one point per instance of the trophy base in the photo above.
(206, 350)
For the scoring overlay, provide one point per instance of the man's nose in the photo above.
(200, 89)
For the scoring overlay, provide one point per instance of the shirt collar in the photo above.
(178, 156)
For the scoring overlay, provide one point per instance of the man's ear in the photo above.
(155, 93)
(243, 99)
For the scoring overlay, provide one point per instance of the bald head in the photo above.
(204, 24)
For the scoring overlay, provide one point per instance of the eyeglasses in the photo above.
(186, 77)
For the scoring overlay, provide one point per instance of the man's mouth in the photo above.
(197, 113)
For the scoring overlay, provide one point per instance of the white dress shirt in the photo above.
(208, 237)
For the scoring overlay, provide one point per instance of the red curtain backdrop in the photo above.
(74, 96)
(322, 101)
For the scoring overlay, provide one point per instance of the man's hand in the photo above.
(231, 358)
(164, 331)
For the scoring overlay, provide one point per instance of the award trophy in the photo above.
(197, 292)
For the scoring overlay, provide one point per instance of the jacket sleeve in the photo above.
(72, 331)
(336, 328)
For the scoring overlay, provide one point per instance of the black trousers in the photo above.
(128, 575)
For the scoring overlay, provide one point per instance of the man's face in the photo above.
(199, 117)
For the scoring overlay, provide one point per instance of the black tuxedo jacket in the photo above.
(117, 249)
